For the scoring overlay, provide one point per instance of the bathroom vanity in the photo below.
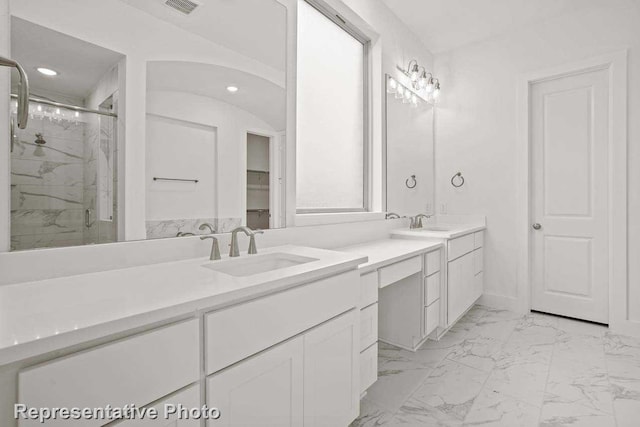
(462, 281)
(399, 298)
(278, 346)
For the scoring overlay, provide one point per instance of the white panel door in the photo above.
(262, 391)
(569, 145)
(331, 372)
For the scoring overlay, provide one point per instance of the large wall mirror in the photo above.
(410, 178)
(211, 84)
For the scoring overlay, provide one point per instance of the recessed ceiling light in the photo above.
(232, 89)
(47, 71)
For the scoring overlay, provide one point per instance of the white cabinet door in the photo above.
(168, 410)
(264, 390)
(461, 292)
(331, 372)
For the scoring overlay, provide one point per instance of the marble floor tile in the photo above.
(395, 358)
(371, 415)
(572, 382)
(395, 385)
(415, 413)
(499, 368)
(451, 388)
(479, 352)
(495, 409)
(494, 324)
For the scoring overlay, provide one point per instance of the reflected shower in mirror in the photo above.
(195, 90)
(409, 151)
(64, 175)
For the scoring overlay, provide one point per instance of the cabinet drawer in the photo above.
(478, 260)
(460, 246)
(368, 367)
(237, 332)
(188, 398)
(368, 289)
(431, 289)
(478, 239)
(431, 317)
(135, 370)
(368, 326)
(399, 270)
(432, 262)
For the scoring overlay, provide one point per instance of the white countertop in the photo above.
(42, 316)
(388, 251)
(452, 231)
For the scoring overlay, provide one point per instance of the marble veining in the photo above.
(499, 368)
(159, 229)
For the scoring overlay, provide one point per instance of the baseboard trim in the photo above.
(501, 302)
(627, 327)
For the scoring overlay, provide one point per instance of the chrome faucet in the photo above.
(416, 221)
(207, 225)
(215, 248)
(234, 251)
(391, 215)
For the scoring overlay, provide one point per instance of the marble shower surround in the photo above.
(47, 191)
(159, 229)
(498, 368)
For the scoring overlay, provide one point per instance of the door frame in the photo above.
(276, 192)
(616, 64)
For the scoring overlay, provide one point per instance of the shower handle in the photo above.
(23, 95)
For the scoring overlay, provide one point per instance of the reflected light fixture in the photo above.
(232, 88)
(47, 71)
(403, 93)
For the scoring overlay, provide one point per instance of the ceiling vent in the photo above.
(183, 6)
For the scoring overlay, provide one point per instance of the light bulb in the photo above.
(429, 86)
(400, 92)
(407, 96)
(415, 72)
(39, 107)
(392, 85)
(57, 111)
(436, 91)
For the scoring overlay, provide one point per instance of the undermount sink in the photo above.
(437, 228)
(256, 264)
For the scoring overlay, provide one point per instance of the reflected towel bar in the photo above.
(155, 178)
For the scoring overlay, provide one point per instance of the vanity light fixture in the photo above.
(403, 93)
(232, 89)
(47, 71)
(420, 78)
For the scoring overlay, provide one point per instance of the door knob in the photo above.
(536, 226)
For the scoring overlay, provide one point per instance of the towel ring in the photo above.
(413, 181)
(453, 178)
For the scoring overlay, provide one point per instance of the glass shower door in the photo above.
(63, 178)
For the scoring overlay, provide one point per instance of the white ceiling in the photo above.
(80, 64)
(254, 28)
(256, 95)
(442, 25)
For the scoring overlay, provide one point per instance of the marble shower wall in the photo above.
(47, 185)
(53, 184)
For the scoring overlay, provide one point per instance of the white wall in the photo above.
(476, 125)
